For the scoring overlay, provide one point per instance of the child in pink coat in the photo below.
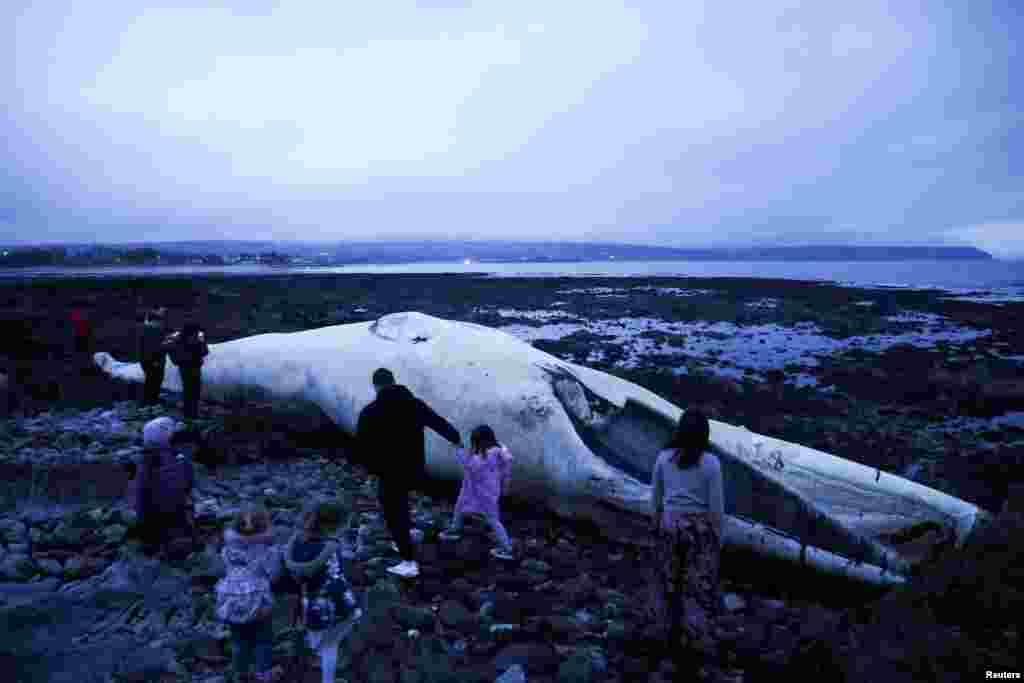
(487, 469)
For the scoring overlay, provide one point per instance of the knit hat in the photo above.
(157, 433)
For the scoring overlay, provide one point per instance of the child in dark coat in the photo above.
(312, 558)
(162, 489)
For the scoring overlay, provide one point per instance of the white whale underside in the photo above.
(584, 441)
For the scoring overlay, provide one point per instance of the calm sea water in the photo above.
(962, 277)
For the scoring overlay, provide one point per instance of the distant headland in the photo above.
(298, 254)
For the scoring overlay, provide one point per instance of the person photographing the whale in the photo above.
(390, 430)
(187, 350)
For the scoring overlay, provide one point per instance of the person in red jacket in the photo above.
(81, 329)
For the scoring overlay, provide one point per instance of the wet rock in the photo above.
(50, 567)
(514, 674)
(816, 622)
(506, 633)
(536, 566)
(17, 567)
(562, 626)
(583, 666)
(414, 617)
(732, 602)
(617, 632)
(13, 531)
(518, 609)
(455, 615)
(580, 590)
(535, 658)
(382, 597)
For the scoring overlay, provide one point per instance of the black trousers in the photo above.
(393, 494)
(157, 529)
(191, 379)
(154, 371)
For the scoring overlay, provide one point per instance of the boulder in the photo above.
(535, 658)
(583, 666)
(514, 674)
(455, 615)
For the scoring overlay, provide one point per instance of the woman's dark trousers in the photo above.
(393, 494)
(154, 371)
(190, 379)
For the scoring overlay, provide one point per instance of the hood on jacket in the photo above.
(240, 548)
(498, 450)
(157, 433)
(309, 568)
(398, 393)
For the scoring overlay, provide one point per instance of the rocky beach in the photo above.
(919, 383)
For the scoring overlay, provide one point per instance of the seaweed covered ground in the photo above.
(908, 381)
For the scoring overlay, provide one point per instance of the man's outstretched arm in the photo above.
(440, 425)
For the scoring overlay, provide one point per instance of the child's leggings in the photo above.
(327, 648)
(249, 640)
(494, 520)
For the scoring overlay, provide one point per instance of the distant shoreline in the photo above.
(296, 254)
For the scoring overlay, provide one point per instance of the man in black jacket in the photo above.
(390, 432)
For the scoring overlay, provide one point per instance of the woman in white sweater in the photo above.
(688, 508)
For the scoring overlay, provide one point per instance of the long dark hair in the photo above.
(482, 438)
(322, 518)
(692, 438)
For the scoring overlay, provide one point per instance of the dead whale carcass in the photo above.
(584, 441)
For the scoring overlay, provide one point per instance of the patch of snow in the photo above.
(624, 292)
(674, 291)
(1015, 419)
(802, 379)
(755, 347)
(598, 291)
(996, 297)
(536, 315)
(765, 303)
(863, 303)
(916, 317)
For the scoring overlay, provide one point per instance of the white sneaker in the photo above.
(406, 569)
(501, 554)
(394, 546)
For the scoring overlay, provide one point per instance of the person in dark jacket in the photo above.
(390, 430)
(152, 354)
(162, 488)
(187, 350)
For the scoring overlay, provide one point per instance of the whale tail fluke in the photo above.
(127, 372)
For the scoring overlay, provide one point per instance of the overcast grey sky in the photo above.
(675, 123)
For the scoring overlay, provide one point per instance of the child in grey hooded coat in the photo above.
(250, 542)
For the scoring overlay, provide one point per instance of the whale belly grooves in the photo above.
(843, 528)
